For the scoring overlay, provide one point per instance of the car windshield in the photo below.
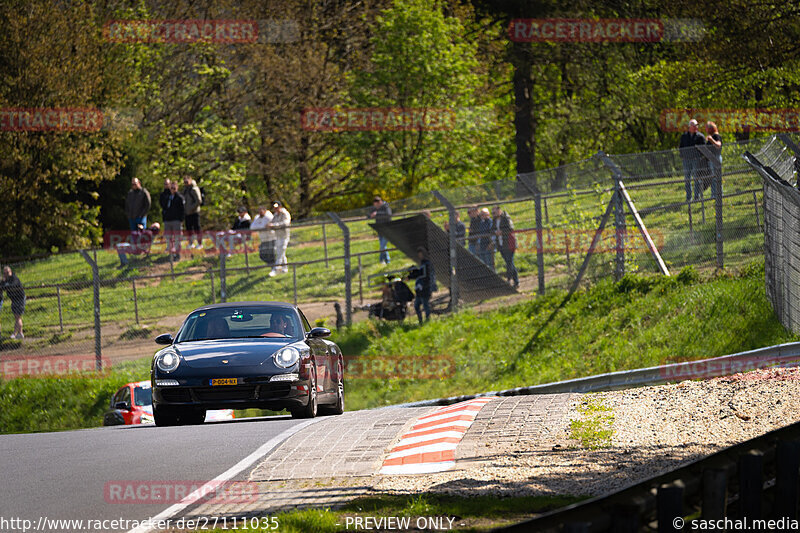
(142, 397)
(241, 322)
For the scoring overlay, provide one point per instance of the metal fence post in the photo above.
(619, 232)
(98, 352)
(716, 170)
(325, 244)
(360, 292)
(452, 244)
(294, 281)
(348, 297)
(537, 206)
(223, 281)
(135, 301)
(213, 292)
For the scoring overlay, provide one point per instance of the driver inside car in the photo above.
(218, 329)
(281, 324)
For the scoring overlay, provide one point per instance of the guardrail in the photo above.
(725, 365)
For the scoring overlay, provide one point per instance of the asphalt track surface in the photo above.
(64, 474)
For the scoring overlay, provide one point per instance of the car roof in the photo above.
(282, 305)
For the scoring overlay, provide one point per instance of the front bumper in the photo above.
(252, 392)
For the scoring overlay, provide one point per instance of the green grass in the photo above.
(67, 402)
(593, 429)
(480, 513)
(639, 322)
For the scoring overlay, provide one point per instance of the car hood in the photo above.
(227, 353)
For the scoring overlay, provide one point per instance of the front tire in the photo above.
(338, 407)
(310, 410)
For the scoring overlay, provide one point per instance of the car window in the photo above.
(142, 397)
(125, 395)
(305, 321)
(245, 322)
(118, 396)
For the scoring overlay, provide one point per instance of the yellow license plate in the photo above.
(224, 381)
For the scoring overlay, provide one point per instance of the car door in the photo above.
(321, 353)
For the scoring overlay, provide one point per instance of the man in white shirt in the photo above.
(266, 237)
(281, 220)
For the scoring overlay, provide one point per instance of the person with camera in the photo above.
(424, 286)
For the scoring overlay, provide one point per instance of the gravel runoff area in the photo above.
(655, 429)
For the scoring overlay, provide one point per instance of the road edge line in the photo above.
(211, 485)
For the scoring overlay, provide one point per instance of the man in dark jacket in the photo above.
(425, 285)
(173, 220)
(694, 163)
(13, 288)
(485, 240)
(137, 205)
(163, 198)
(460, 229)
(192, 198)
(381, 212)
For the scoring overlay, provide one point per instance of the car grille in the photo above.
(176, 395)
(274, 390)
(213, 394)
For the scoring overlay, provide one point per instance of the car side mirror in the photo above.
(318, 333)
(122, 406)
(165, 338)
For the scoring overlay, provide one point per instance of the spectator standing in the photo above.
(460, 229)
(381, 212)
(242, 221)
(281, 220)
(163, 198)
(266, 237)
(137, 205)
(16, 293)
(692, 160)
(485, 238)
(424, 286)
(474, 230)
(173, 219)
(192, 199)
(506, 243)
(714, 141)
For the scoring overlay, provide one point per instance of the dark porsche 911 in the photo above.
(246, 355)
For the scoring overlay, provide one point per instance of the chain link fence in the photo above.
(777, 169)
(653, 209)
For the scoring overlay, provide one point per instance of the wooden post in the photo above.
(294, 281)
(669, 506)
(246, 255)
(213, 292)
(566, 247)
(619, 233)
(787, 462)
(715, 493)
(751, 482)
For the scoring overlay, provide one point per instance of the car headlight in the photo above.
(168, 361)
(286, 357)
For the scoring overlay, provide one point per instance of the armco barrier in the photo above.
(780, 354)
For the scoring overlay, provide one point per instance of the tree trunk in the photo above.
(525, 130)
